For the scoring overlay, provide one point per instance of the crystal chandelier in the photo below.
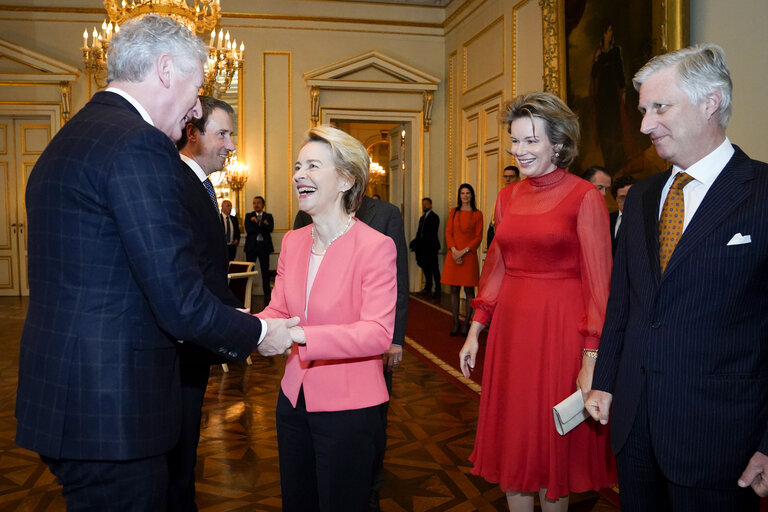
(224, 57)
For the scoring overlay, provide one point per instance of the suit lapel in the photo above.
(366, 212)
(729, 190)
(651, 199)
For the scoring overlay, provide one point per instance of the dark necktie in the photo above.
(227, 228)
(672, 219)
(211, 193)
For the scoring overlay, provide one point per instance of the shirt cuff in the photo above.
(263, 331)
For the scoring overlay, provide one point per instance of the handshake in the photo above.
(281, 335)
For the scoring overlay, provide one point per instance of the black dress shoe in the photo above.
(426, 292)
(438, 293)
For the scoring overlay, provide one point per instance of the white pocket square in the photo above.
(739, 239)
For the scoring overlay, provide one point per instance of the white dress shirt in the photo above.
(704, 173)
(133, 101)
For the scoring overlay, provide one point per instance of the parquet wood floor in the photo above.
(431, 432)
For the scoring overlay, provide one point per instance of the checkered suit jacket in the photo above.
(114, 282)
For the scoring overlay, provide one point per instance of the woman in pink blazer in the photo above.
(339, 277)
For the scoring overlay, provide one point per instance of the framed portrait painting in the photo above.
(595, 48)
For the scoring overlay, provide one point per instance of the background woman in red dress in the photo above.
(463, 235)
(545, 283)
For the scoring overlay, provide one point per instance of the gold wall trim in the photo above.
(450, 19)
(289, 134)
(553, 35)
(329, 19)
(513, 70)
(466, 44)
(38, 8)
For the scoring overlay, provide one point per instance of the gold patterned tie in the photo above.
(671, 220)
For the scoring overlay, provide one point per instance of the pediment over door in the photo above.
(372, 71)
(20, 65)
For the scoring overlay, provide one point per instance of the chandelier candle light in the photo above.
(224, 57)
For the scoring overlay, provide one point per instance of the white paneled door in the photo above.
(22, 139)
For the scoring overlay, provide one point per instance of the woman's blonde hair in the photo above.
(350, 159)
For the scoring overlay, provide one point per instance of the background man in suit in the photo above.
(619, 189)
(204, 146)
(426, 246)
(599, 177)
(231, 229)
(511, 175)
(114, 280)
(684, 354)
(258, 244)
(385, 218)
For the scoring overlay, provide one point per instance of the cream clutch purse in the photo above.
(569, 413)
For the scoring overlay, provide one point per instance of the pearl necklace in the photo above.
(344, 230)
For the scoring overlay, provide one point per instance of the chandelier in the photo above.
(224, 57)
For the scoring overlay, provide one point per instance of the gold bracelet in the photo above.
(590, 352)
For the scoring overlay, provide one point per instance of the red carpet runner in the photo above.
(427, 336)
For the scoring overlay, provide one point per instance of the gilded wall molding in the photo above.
(553, 40)
(429, 98)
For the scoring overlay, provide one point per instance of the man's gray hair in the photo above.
(135, 48)
(701, 70)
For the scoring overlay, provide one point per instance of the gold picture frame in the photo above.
(671, 31)
(591, 50)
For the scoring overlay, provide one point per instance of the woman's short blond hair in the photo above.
(562, 125)
(350, 159)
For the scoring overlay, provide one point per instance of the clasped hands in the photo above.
(458, 256)
(281, 335)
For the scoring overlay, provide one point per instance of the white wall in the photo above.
(739, 27)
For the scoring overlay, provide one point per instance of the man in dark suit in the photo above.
(231, 229)
(114, 280)
(619, 189)
(683, 362)
(426, 246)
(385, 218)
(205, 143)
(258, 242)
(599, 177)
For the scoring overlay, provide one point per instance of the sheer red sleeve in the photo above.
(593, 229)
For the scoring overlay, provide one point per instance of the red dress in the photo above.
(545, 282)
(464, 229)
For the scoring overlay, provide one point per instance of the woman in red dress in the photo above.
(545, 283)
(463, 235)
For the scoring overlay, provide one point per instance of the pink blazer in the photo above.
(349, 321)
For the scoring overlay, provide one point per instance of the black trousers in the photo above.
(261, 255)
(327, 459)
(112, 486)
(183, 457)
(643, 487)
(431, 268)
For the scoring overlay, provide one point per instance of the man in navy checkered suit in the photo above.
(114, 281)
